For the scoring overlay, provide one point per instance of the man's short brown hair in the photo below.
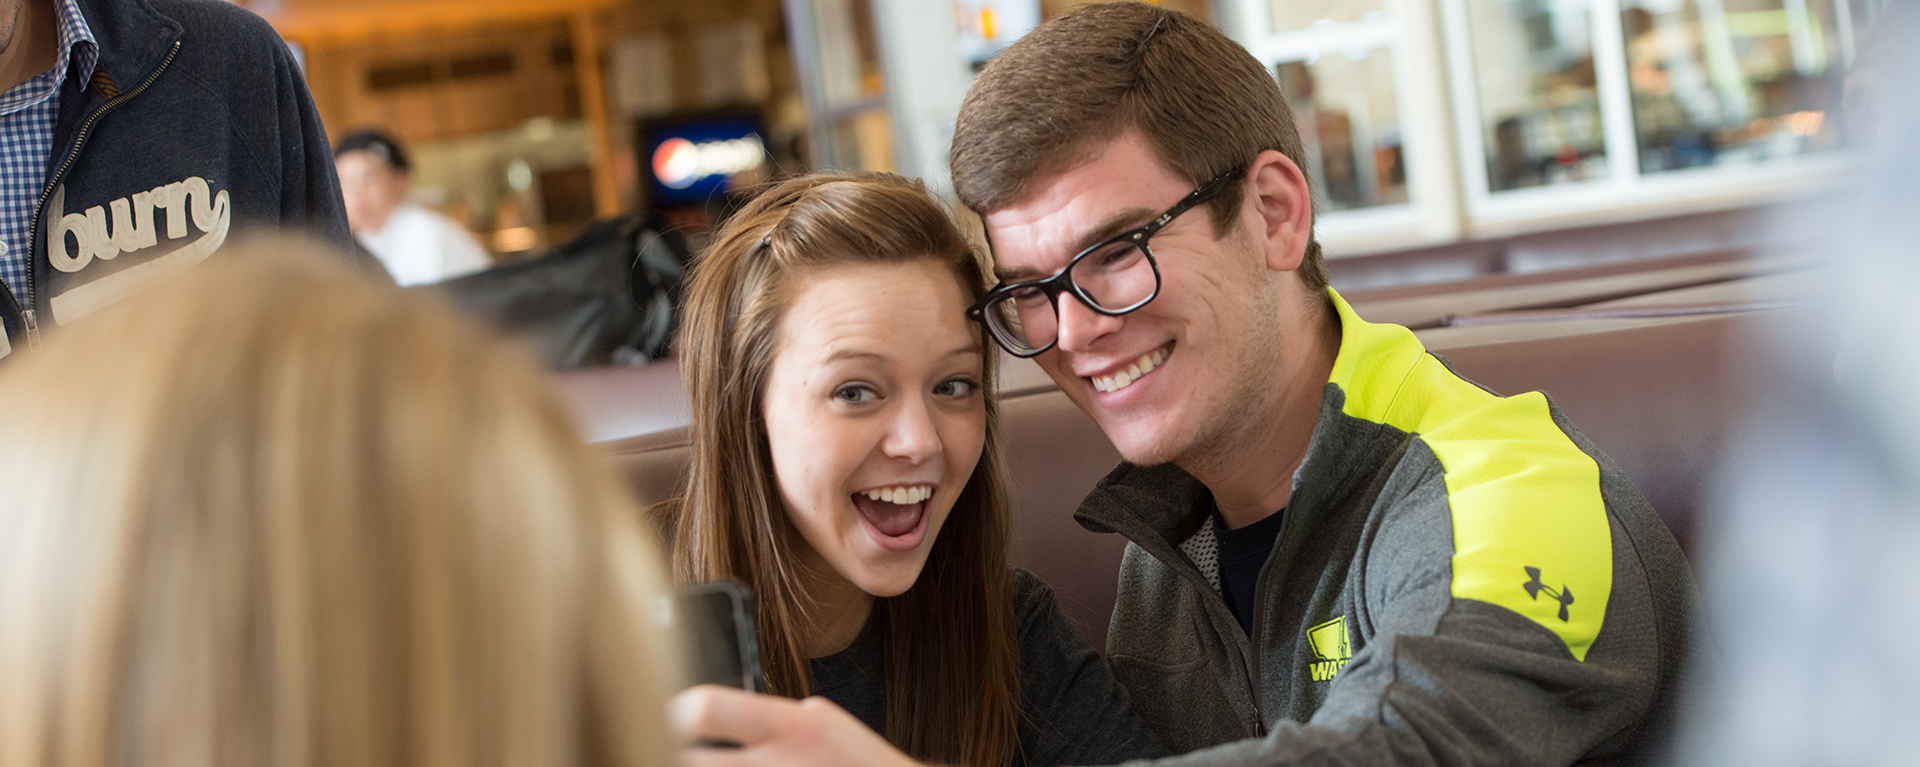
(1042, 105)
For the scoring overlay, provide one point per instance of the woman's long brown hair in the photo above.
(952, 666)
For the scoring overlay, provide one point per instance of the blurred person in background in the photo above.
(418, 246)
(1339, 552)
(1809, 561)
(135, 134)
(273, 514)
(845, 467)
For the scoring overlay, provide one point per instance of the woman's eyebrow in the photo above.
(851, 354)
(839, 355)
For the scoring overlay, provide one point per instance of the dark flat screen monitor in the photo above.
(687, 160)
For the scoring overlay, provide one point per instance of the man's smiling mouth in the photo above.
(1135, 371)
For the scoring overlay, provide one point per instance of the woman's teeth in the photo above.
(901, 495)
(1134, 372)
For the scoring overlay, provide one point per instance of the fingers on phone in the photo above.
(714, 713)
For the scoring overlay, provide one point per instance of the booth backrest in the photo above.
(1657, 394)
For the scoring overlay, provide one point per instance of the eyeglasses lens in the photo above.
(1026, 319)
(1118, 278)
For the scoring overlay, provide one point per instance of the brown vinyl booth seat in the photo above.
(1644, 369)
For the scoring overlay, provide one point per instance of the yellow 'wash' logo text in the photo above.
(1330, 645)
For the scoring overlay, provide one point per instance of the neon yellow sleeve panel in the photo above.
(1530, 528)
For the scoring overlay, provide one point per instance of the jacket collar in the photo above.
(1159, 507)
(133, 39)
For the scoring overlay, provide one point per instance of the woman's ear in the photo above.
(1282, 209)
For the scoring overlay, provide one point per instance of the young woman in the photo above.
(269, 514)
(844, 467)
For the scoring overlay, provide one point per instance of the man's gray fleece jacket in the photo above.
(1461, 578)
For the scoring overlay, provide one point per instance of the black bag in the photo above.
(609, 297)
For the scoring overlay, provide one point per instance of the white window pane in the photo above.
(1719, 82)
(848, 59)
(863, 142)
(1295, 15)
(1539, 110)
(1350, 123)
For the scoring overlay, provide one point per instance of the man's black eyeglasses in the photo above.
(1114, 277)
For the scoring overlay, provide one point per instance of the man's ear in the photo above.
(1282, 210)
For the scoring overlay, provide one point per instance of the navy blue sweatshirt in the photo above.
(195, 122)
(1072, 711)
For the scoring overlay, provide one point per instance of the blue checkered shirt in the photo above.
(27, 117)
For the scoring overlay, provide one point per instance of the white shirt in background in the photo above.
(420, 247)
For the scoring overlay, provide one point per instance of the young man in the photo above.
(1340, 552)
(136, 134)
(417, 246)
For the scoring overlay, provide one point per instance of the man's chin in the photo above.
(1145, 434)
(1141, 445)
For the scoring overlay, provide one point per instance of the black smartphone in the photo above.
(715, 621)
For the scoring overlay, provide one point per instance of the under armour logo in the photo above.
(1563, 594)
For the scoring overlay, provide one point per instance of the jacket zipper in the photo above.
(1253, 640)
(1253, 661)
(1253, 631)
(39, 209)
(1199, 581)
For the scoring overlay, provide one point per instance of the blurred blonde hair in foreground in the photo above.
(269, 515)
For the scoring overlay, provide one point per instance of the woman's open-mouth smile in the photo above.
(895, 516)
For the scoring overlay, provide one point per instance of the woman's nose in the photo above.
(912, 436)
